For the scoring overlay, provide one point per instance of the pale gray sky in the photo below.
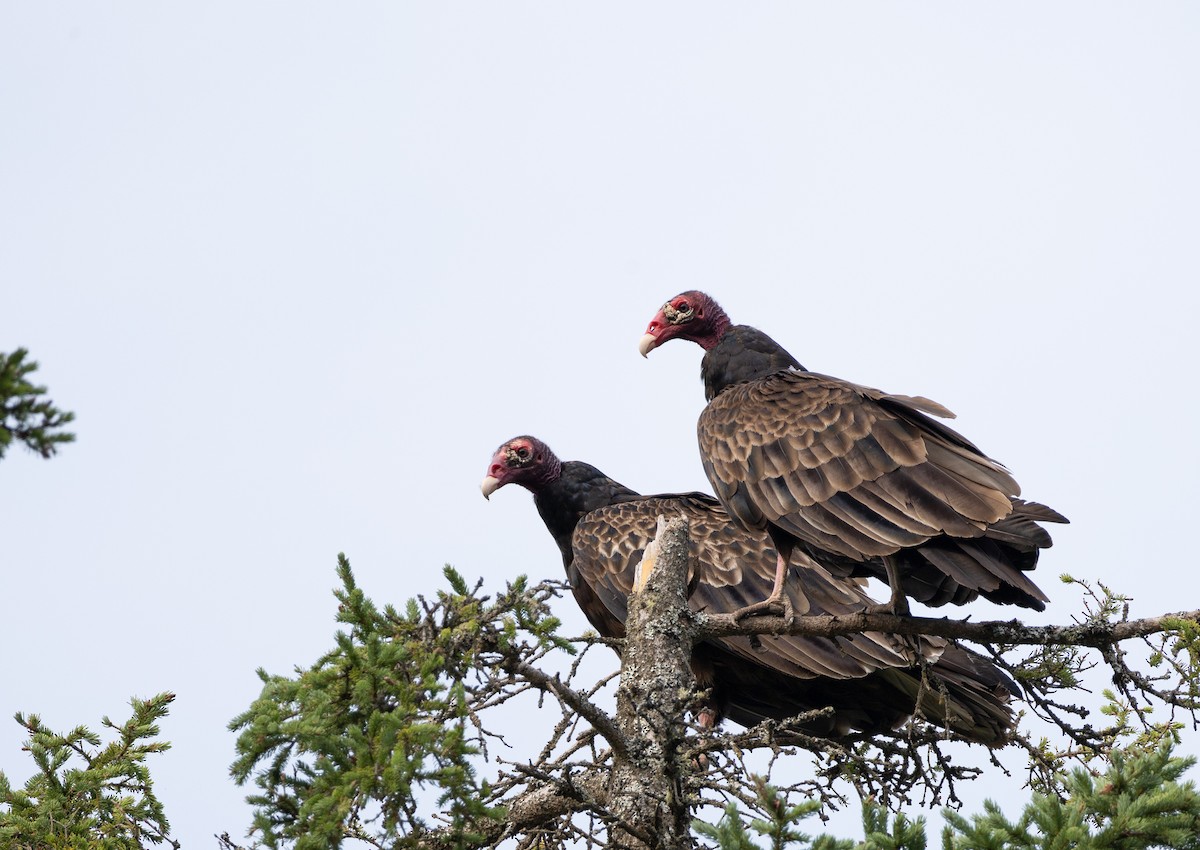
(299, 268)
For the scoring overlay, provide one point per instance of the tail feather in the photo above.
(976, 700)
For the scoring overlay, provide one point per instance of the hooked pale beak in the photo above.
(489, 486)
(654, 331)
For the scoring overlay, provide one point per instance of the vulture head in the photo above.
(690, 315)
(522, 460)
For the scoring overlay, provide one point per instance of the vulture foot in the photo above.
(897, 605)
(776, 603)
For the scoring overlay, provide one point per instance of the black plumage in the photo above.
(870, 680)
(864, 482)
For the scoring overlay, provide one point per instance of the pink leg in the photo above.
(777, 601)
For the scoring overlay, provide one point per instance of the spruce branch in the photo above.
(86, 793)
(25, 416)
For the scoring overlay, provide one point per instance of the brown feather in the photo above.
(861, 474)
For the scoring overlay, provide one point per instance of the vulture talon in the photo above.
(896, 608)
(780, 605)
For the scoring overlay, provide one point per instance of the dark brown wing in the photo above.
(845, 468)
(868, 680)
(732, 568)
(968, 694)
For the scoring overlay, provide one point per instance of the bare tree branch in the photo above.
(1097, 634)
(587, 709)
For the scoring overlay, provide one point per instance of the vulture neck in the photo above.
(580, 489)
(742, 354)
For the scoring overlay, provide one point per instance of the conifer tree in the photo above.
(387, 740)
(1138, 803)
(398, 713)
(85, 794)
(25, 416)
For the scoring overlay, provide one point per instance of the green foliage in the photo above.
(24, 415)
(348, 747)
(1138, 803)
(904, 834)
(1132, 726)
(778, 824)
(1144, 704)
(1177, 651)
(105, 803)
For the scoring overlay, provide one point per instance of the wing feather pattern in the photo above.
(871, 680)
(855, 474)
(732, 568)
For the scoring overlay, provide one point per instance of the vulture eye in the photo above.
(677, 312)
(523, 453)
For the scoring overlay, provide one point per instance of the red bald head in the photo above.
(522, 460)
(690, 315)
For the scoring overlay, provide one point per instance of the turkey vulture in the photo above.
(864, 482)
(871, 681)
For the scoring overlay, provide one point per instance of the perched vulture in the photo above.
(864, 482)
(872, 681)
